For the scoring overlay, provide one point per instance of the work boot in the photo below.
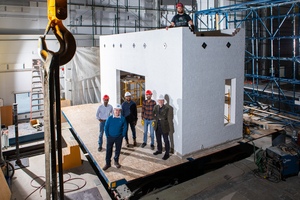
(152, 147)
(117, 164)
(106, 167)
(127, 143)
(134, 142)
(165, 157)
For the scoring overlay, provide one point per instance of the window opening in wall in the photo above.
(23, 100)
(135, 84)
(229, 105)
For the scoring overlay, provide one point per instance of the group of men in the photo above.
(115, 122)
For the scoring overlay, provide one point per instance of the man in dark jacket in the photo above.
(161, 127)
(129, 111)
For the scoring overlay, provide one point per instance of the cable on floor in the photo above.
(42, 186)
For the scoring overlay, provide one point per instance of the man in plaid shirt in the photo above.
(147, 119)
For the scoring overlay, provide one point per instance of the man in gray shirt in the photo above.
(103, 112)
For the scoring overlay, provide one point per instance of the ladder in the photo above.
(37, 90)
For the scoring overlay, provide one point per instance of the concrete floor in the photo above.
(233, 181)
(21, 182)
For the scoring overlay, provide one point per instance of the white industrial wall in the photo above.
(157, 56)
(204, 74)
(16, 54)
(30, 17)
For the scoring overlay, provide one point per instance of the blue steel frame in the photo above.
(250, 13)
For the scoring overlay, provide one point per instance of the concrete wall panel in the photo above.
(15, 54)
(192, 79)
(204, 74)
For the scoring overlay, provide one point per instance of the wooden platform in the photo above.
(136, 162)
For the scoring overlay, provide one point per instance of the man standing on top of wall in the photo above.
(103, 112)
(147, 119)
(181, 19)
(129, 111)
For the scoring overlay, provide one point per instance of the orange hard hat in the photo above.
(148, 92)
(105, 97)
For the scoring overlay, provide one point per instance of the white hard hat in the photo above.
(127, 94)
(118, 106)
(161, 97)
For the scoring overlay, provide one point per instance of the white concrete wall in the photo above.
(160, 62)
(204, 74)
(14, 82)
(16, 54)
(192, 79)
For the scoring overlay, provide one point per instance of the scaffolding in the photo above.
(121, 16)
(272, 49)
(137, 91)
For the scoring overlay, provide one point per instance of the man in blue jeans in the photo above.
(115, 129)
(147, 119)
(103, 112)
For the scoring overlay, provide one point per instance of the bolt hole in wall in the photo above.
(133, 83)
(230, 101)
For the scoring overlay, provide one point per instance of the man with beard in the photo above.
(147, 119)
(181, 19)
(129, 111)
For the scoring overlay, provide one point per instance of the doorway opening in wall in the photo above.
(229, 104)
(135, 84)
